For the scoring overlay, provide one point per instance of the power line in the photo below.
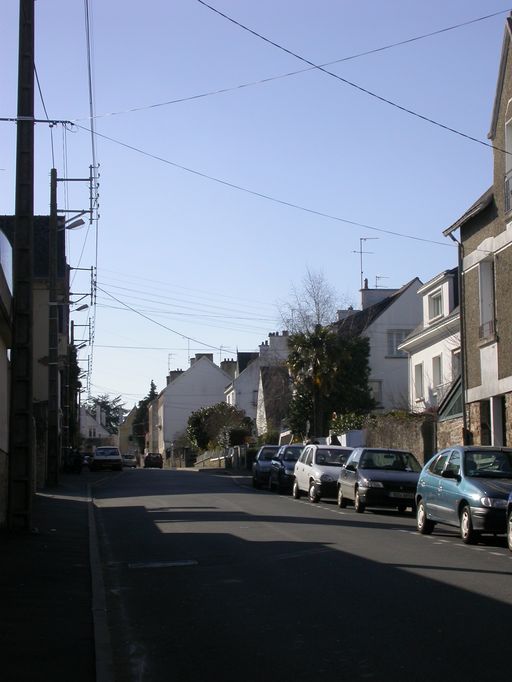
(350, 83)
(46, 113)
(269, 79)
(268, 197)
(137, 312)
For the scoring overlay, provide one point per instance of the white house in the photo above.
(92, 427)
(387, 317)
(201, 385)
(247, 390)
(434, 346)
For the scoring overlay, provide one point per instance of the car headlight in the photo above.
(326, 478)
(366, 483)
(493, 502)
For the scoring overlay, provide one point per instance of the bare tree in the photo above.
(313, 304)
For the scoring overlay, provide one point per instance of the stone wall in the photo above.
(449, 432)
(404, 431)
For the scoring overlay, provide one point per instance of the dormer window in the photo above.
(435, 305)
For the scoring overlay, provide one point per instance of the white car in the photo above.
(317, 470)
(106, 457)
(129, 460)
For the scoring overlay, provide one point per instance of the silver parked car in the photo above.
(317, 470)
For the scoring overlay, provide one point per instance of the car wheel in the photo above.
(255, 483)
(467, 533)
(296, 490)
(269, 484)
(424, 525)
(358, 505)
(279, 485)
(313, 493)
(509, 530)
(342, 502)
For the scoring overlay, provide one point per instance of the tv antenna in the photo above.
(361, 251)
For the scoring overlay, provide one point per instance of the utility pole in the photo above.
(21, 432)
(53, 440)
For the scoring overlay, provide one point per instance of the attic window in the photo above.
(435, 305)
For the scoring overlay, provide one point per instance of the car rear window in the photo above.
(108, 452)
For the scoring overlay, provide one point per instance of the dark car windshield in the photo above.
(108, 452)
(267, 454)
(488, 464)
(292, 454)
(393, 461)
(331, 457)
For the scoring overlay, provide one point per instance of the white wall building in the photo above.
(201, 385)
(387, 317)
(434, 346)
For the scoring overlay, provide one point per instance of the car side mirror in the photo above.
(350, 467)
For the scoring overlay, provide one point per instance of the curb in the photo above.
(102, 643)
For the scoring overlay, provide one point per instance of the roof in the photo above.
(501, 77)
(480, 204)
(355, 324)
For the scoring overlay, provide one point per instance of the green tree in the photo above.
(330, 374)
(112, 410)
(140, 423)
(217, 425)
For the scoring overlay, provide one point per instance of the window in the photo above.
(486, 293)
(454, 463)
(418, 381)
(435, 305)
(395, 338)
(376, 391)
(437, 371)
(437, 465)
(456, 366)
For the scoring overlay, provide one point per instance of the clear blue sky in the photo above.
(211, 262)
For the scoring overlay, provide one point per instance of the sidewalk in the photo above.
(46, 621)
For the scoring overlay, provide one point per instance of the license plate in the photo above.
(402, 496)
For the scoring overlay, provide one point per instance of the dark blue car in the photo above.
(467, 487)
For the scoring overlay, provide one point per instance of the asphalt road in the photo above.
(208, 579)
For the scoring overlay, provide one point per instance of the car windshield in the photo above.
(488, 464)
(292, 454)
(393, 461)
(331, 457)
(108, 452)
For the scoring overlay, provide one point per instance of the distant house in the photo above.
(126, 439)
(434, 346)
(387, 317)
(251, 387)
(93, 431)
(201, 385)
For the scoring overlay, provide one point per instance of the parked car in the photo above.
(282, 467)
(106, 457)
(153, 460)
(129, 460)
(379, 477)
(317, 470)
(261, 465)
(468, 487)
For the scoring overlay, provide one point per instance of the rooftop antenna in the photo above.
(378, 278)
(360, 252)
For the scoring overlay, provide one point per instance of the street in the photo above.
(208, 579)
